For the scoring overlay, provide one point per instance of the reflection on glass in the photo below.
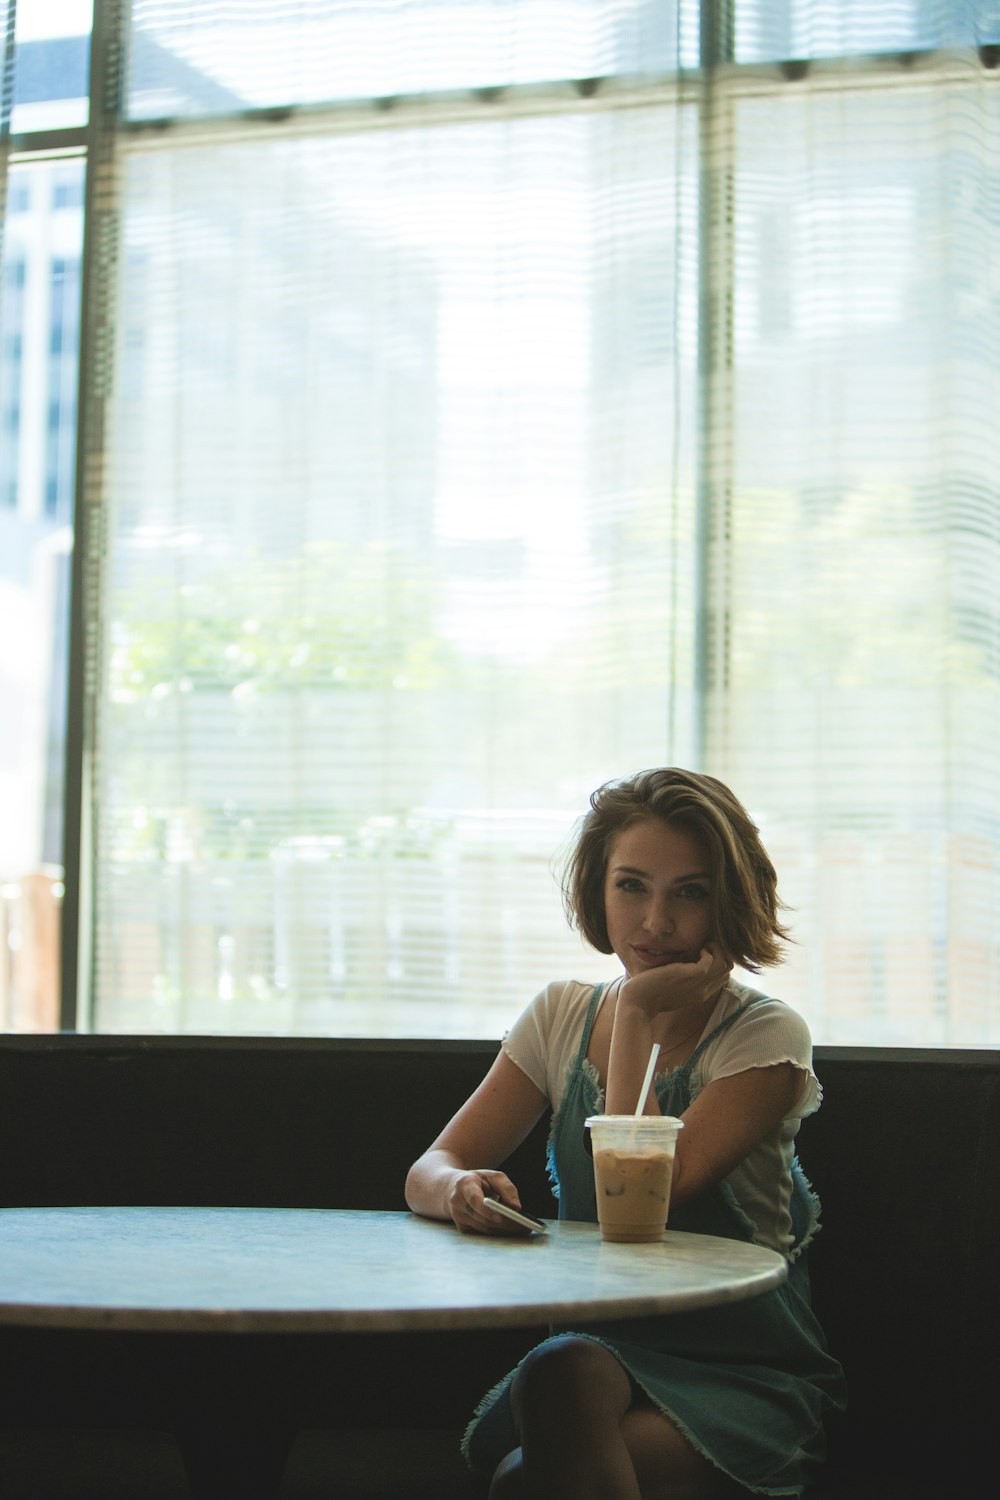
(39, 346)
(776, 30)
(193, 60)
(51, 64)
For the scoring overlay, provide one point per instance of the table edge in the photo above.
(56, 1315)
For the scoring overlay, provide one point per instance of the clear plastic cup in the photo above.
(633, 1171)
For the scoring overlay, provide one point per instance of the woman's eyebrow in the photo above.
(645, 875)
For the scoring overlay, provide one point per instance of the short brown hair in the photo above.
(744, 897)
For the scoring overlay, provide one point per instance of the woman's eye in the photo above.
(694, 892)
(629, 883)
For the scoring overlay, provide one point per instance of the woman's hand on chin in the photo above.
(675, 986)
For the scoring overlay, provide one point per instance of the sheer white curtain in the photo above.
(553, 389)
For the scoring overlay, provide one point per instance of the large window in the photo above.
(481, 400)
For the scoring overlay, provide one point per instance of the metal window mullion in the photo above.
(6, 105)
(716, 179)
(100, 228)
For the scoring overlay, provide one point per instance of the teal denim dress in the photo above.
(748, 1383)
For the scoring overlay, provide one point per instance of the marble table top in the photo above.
(338, 1270)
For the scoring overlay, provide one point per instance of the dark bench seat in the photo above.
(905, 1155)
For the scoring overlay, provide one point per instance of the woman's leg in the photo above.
(568, 1399)
(667, 1466)
(586, 1434)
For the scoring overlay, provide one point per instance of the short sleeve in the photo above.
(769, 1032)
(544, 1039)
(526, 1041)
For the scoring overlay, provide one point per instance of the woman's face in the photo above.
(657, 896)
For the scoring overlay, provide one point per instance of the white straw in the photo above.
(647, 1080)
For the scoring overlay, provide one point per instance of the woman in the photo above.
(668, 873)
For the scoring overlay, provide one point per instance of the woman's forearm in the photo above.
(631, 1044)
(429, 1182)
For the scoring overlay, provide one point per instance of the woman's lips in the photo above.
(655, 956)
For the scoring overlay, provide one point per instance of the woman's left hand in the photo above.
(675, 986)
(643, 998)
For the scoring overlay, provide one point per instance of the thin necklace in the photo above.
(674, 1045)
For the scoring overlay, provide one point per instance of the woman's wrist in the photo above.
(637, 1004)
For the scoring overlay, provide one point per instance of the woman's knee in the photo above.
(508, 1481)
(570, 1372)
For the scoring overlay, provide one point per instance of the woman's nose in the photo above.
(659, 917)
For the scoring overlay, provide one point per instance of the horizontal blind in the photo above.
(210, 57)
(389, 554)
(856, 663)
(459, 459)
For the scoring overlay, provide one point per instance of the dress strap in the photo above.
(717, 1031)
(588, 1025)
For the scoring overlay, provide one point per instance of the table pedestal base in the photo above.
(234, 1463)
(235, 1404)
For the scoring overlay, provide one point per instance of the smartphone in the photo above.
(526, 1221)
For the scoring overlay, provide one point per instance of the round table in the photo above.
(174, 1277)
(285, 1270)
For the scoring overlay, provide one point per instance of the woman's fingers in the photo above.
(469, 1209)
(674, 986)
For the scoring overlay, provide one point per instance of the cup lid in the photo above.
(656, 1121)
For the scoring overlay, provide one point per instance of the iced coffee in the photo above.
(633, 1171)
